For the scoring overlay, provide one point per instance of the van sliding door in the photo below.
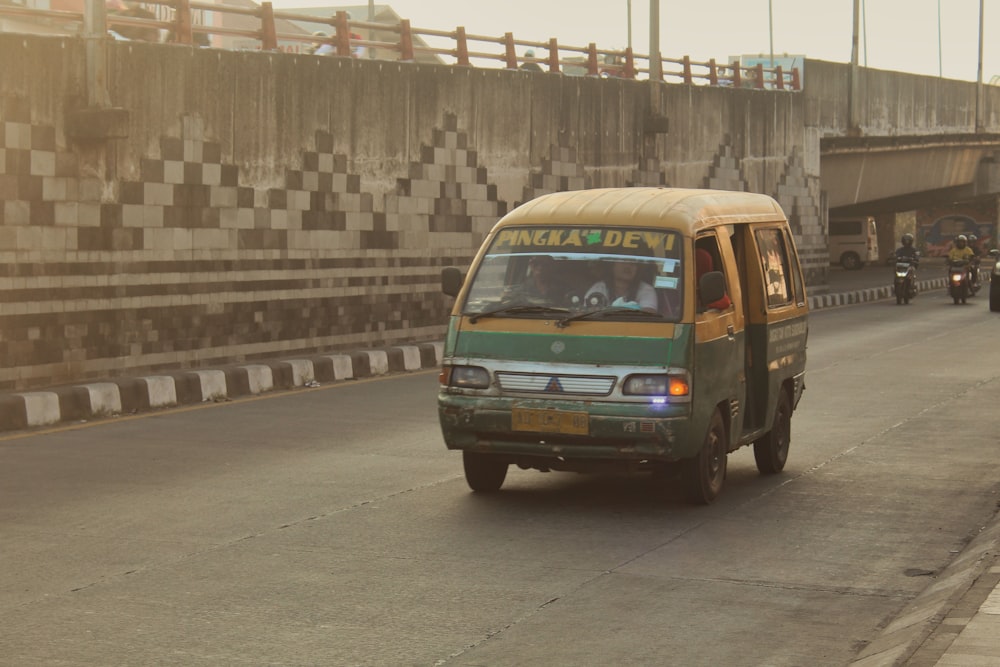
(776, 317)
(719, 337)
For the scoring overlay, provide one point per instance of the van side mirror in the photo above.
(451, 280)
(711, 287)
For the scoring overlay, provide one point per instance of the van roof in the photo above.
(679, 208)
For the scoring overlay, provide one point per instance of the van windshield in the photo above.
(609, 272)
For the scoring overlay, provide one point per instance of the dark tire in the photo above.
(994, 298)
(956, 300)
(704, 475)
(851, 261)
(484, 473)
(899, 299)
(771, 451)
(906, 300)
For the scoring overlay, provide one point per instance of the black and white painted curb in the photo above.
(869, 294)
(137, 394)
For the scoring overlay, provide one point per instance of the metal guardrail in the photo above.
(406, 43)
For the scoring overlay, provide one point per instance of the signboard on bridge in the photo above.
(786, 61)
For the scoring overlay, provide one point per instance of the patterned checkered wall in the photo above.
(188, 266)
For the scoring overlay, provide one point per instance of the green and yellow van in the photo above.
(627, 329)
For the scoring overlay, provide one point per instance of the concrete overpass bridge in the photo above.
(935, 186)
(907, 150)
(226, 206)
(901, 173)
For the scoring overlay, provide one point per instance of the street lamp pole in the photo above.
(852, 88)
(864, 28)
(940, 68)
(95, 33)
(655, 62)
(630, 24)
(371, 19)
(770, 29)
(979, 75)
(854, 34)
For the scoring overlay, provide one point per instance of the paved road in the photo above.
(329, 526)
(880, 274)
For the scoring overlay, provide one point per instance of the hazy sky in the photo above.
(902, 35)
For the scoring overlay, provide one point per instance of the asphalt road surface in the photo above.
(329, 526)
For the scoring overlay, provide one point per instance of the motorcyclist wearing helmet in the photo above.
(960, 252)
(906, 252)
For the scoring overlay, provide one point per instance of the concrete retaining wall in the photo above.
(894, 103)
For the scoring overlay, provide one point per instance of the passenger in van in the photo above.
(704, 264)
(623, 287)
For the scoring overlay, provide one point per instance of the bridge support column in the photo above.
(988, 175)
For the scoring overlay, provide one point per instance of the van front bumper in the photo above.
(615, 431)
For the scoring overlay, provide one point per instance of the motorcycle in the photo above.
(974, 283)
(905, 284)
(960, 285)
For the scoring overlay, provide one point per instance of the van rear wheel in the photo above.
(851, 261)
(704, 474)
(771, 450)
(484, 473)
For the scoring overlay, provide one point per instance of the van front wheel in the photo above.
(704, 474)
(771, 450)
(484, 473)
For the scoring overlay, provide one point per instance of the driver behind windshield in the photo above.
(541, 278)
(622, 287)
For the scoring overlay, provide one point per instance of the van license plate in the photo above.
(550, 421)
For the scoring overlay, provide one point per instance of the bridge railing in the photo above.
(175, 21)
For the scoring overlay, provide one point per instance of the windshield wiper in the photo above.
(503, 310)
(604, 312)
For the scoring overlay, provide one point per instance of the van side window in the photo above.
(845, 228)
(774, 262)
(708, 258)
(800, 288)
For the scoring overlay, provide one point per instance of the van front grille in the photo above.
(546, 383)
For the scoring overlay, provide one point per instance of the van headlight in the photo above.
(656, 385)
(466, 377)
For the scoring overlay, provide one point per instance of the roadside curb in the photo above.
(869, 294)
(918, 620)
(128, 395)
